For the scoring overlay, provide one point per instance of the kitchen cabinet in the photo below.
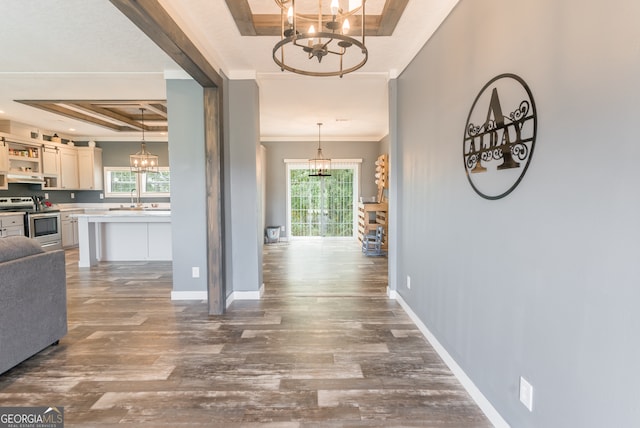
(90, 175)
(51, 166)
(68, 168)
(124, 236)
(69, 226)
(24, 163)
(4, 156)
(4, 165)
(11, 225)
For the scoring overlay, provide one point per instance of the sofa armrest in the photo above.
(33, 305)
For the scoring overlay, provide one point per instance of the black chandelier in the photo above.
(330, 40)
(143, 161)
(319, 166)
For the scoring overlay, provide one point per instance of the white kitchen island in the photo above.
(123, 236)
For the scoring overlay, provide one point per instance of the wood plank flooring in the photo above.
(323, 348)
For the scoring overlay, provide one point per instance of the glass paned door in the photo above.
(322, 206)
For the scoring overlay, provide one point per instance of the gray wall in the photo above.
(277, 152)
(117, 153)
(244, 187)
(188, 206)
(543, 283)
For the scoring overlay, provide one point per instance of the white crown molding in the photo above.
(424, 32)
(341, 139)
(177, 75)
(242, 75)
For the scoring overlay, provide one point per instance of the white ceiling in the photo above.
(86, 49)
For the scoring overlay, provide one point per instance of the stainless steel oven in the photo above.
(44, 227)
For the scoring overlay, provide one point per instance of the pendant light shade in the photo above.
(143, 161)
(319, 166)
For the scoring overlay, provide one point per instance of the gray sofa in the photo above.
(33, 299)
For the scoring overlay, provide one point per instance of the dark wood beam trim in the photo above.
(159, 109)
(241, 12)
(63, 111)
(269, 25)
(215, 213)
(156, 23)
(393, 10)
(101, 111)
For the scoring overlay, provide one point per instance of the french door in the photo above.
(322, 206)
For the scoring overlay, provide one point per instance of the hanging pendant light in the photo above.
(325, 35)
(143, 161)
(319, 166)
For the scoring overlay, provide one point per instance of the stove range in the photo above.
(42, 225)
(17, 203)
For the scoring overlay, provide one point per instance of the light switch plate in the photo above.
(526, 393)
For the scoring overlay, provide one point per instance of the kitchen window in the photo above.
(120, 182)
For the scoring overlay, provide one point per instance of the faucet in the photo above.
(131, 193)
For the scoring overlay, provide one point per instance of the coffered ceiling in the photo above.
(116, 115)
(63, 54)
(260, 18)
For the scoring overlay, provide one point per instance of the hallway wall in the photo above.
(544, 282)
(276, 171)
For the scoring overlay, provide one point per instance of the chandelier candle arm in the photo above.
(319, 166)
(143, 161)
(330, 37)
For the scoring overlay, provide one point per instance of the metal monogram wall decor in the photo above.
(499, 136)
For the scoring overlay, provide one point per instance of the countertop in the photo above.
(8, 213)
(125, 216)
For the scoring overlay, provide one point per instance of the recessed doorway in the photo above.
(322, 206)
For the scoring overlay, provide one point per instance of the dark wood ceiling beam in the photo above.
(393, 10)
(159, 109)
(269, 24)
(104, 112)
(156, 23)
(241, 12)
(72, 114)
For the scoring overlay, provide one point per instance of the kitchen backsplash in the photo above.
(64, 196)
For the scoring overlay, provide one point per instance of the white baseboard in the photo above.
(245, 295)
(482, 402)
(189, 295)
(392, 294)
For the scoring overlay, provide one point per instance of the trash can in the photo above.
(273, 234)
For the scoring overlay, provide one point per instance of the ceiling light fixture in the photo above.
(319, 166)
(143, 161)
(344, 53)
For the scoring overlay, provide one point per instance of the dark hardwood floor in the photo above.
(323, 348)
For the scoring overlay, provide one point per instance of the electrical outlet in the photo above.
(46, 196)
(195, 272)
(73, 196)
(526, 393)
(101, 195)
(408, 282)
(282, 229)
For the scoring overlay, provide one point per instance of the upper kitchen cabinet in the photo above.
(51, 166)
(4, 165)
(90, 168)
(4, 156)
(68, 168)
